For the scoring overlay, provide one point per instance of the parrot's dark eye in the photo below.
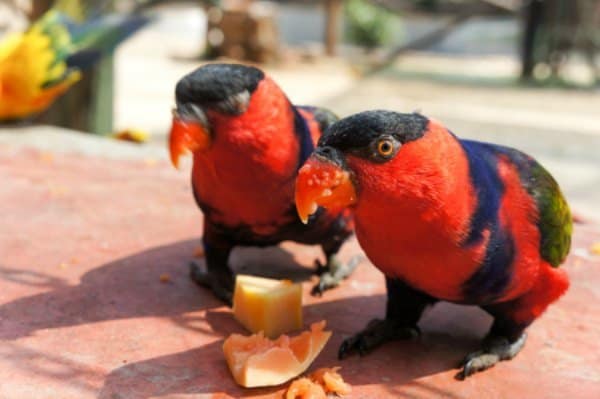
(380, 149)
(385, 147)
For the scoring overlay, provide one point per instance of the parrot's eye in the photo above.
(385, 147)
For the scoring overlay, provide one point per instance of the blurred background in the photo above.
(518, 72)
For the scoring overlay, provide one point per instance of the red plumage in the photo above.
(444, 219)
(247, 175)
(415, 211)
(535, 284)
(248, 142)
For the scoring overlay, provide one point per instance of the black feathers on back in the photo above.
(215, 83)
(361, 129)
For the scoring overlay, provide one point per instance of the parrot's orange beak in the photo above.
(186, 136)
(321, 182)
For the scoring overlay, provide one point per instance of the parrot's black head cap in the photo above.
(360, 130)
(224, 87)
(373, 135)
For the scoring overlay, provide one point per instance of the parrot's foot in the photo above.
(495, 349)
(333, 273)
(221, 284)
(377, 332)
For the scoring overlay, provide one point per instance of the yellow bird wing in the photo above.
(32, 74)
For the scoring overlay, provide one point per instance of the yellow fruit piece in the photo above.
(133, 135)
(271, 306)
(595, 248)
(256, 361)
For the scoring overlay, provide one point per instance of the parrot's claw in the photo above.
(221, 286)
(377, 332)
(333, 273)
(495, 349)
(320, 268)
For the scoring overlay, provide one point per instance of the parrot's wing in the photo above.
(323, 116)
(82, 43)
(555, 222)
(100, 36)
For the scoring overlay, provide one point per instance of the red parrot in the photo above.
(248, 142)
(444, 219)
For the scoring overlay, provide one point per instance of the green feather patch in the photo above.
(555, 222)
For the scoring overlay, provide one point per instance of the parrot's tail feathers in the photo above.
(551, 284)
(84, 59)
(105, 33)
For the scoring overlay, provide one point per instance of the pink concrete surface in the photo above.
(84, 314)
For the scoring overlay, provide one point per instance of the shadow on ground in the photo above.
(203, 370)
(129, 288)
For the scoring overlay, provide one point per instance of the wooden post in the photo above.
(333, 9)
(533, 19)
(101, 107)
(243, 31)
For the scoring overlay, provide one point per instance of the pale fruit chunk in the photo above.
(271, 306)
(304, 388)
(320, 383)
(331, 381)
(256, 361)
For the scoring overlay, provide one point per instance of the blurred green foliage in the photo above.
(368, 25)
